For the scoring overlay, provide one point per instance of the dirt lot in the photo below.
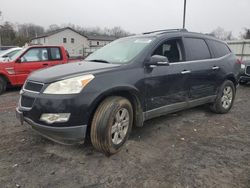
(192, 148)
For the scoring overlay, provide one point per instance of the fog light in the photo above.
(55, 118)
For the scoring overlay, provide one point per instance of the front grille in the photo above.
(33, 86)
(248, 70)
(27, 102)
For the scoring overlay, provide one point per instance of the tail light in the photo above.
(239, 62)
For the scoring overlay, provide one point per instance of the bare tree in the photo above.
(53, 27)
(220, 33)
(246, 34)
(29, 30)
(8, 34)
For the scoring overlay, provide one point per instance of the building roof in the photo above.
(57, 31)
(90, 37)
(101, 37)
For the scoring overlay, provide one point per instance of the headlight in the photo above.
(69, 86)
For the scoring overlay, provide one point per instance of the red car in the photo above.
(16, 70)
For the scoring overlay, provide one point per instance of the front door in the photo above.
(167, 86)
(31, 60)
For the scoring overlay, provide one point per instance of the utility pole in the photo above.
(0, 36)
(184, 14)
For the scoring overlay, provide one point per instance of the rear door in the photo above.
(202, 79)
(220, 52)
(33, 59)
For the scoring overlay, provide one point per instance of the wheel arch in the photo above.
(2, 75)
(127, 92)
(232, 78)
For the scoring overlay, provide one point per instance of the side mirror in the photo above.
(158, 60)
(18, 60)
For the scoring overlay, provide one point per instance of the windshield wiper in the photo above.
(99, 60)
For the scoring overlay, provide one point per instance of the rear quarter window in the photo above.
(219, 49)
(196, 49)
(55, 53)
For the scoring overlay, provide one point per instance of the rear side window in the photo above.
(219, 49)
(196, 49)
(55, 54)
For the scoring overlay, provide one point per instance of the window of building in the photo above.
(97, 43)
(64, 40)
(72, 40)
(197, 49)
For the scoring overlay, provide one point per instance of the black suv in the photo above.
(127, 82)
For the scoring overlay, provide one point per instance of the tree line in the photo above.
(19, 34)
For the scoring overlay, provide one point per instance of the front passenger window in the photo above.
(170, 49)
(35, 54)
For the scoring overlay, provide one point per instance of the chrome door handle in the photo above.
(186, 72)
(215, 67)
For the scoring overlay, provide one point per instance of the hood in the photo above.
(58, 72)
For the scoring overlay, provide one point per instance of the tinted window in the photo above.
(170, 49)
(219, 49)
(196, 49)
(55, 54)
(35, 54)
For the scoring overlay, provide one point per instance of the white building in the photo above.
(97, 41)
(75, 43)
(241, 48)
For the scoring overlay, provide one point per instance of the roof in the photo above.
(101, 37)
(90, 37)
(57, 31)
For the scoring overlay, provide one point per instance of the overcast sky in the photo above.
(135, 16)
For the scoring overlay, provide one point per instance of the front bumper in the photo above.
(63, 135)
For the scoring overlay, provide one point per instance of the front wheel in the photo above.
(111, 125)
(225, 98)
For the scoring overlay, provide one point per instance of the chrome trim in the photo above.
(215, 68)
(34, 83)
(22, 107)
(186, 72)
(202, 60)
(30, 91)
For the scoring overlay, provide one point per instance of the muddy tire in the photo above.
(111, 125)
(3, 85)
(225, 98)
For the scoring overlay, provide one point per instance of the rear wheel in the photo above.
(111, 125)
(3, 84)
(225, 98)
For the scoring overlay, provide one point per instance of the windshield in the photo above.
(17, 54)
(120, 51)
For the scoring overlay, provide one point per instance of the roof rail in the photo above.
(165, 31)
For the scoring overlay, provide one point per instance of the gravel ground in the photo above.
(192, 148)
